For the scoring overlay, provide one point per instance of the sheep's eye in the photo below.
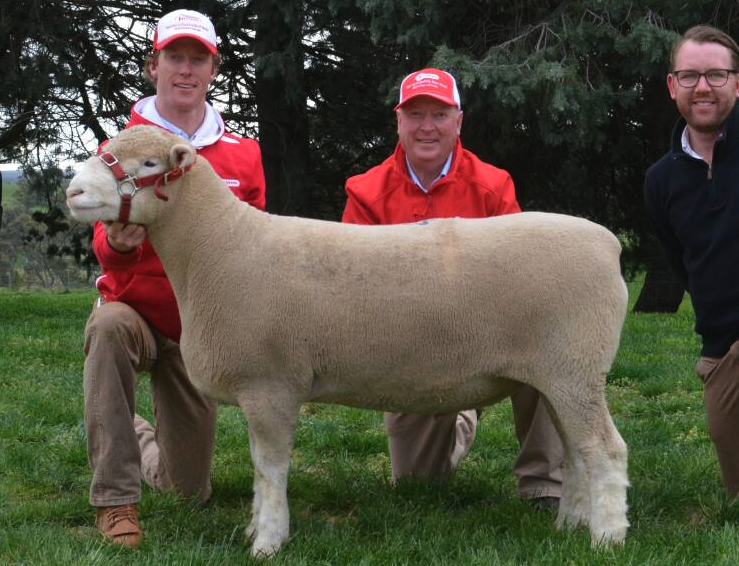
(150, 163)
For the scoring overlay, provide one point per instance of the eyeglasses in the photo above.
(714, 77)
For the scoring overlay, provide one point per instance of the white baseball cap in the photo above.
(185, 23)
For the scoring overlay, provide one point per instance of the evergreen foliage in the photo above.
(570, 97)
(38, 245)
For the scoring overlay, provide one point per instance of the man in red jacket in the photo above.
(135, 325)
(431, 175)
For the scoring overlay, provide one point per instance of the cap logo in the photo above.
(188, 22)
(422, 76)
(429, 82)
(185, 23)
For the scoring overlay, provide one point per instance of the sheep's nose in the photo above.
(74, 192)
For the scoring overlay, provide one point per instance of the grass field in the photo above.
(343, 510)
(9, 191)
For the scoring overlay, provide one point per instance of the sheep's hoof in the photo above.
(263, 550)
(615, 537)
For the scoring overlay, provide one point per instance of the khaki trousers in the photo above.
(434, 446)
(122, 447)
(720, 378)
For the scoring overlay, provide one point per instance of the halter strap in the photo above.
(128, 185)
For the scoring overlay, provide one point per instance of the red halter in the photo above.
(128, 185)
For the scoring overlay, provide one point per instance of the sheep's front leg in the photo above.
(271, 432)
(251, 529)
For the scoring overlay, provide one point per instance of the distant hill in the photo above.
(10, 176)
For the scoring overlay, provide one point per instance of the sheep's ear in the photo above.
(181, 155)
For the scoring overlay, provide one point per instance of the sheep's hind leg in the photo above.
(574, 506)
(271, 432)
(595, 481)
(607, 465)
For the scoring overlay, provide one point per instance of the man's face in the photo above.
(705, 108)
(428, 130)
(183, 72)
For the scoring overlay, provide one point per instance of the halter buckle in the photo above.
(130, 182)
(108, 158)
(173, 175)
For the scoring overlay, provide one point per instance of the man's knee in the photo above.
(114, 326)
(111, 317)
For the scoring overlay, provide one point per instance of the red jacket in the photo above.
(387, 195)
(138, 278)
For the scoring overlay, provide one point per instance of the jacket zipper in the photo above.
(714, 197)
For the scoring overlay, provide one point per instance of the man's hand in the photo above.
(125, 238)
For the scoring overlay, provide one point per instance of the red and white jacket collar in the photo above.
(209, 132)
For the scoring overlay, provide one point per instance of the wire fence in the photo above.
(67, 279)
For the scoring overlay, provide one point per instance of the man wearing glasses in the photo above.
(692, 201)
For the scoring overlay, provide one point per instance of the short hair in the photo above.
(706, 34)
(152, 56)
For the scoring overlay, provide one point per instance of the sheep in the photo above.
(430, 317)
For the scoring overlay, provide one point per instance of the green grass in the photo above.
(343, 510)
(9, 193)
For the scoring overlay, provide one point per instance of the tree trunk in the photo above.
(662, 292)
(282, 107)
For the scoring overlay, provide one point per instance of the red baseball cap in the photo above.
(430, 82)
(185, 23)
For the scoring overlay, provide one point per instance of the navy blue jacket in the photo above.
(694, 213)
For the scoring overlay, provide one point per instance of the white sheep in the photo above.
(419, 318)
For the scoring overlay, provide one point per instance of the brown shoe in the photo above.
(119, 524)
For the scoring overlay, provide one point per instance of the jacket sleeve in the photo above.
(254, 187)
(355, 211)
(658, 220)
(108, 258)
(506, 203)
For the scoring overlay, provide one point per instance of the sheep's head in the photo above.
(142, 153)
